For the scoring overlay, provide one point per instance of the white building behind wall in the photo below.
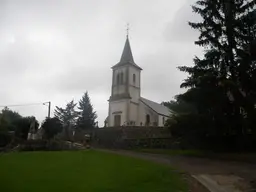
(126, 106)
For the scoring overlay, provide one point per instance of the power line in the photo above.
(30, 104)
(23, 105)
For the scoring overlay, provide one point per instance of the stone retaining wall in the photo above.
(128, 137)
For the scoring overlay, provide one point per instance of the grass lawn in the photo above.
(90, 171)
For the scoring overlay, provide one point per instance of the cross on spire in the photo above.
(127, 58)
(127, 30)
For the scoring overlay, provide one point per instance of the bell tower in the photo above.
(125, 90)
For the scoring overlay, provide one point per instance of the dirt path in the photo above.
(221, 172)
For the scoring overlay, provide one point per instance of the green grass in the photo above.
(90, 171)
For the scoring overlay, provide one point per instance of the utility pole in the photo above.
(49, 108)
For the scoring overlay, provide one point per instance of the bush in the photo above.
(33, 145)
(5, 139)
(193, 131)
(51, 127)
(41, 145)
(46, 145)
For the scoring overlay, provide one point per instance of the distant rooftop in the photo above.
(158, 108)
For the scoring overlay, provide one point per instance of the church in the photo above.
(126, 106)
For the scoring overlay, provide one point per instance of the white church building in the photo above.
(126, 106)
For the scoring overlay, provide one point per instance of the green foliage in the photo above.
(87, 116)
(85, 171)
(10, 117)
(4, 136)
(3, 124)
(45, 145)
(11, 121)
(23, 126)
(222, 84)
(68, 117)
(180, 106)
(51, 127)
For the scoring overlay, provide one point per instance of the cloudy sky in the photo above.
(55, 50)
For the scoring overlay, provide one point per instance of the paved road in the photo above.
(216, 170)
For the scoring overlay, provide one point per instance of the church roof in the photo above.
(158, 108)
(127, 58)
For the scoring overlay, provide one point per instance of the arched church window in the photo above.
(117, 79)
(134, 78)
(147, 119)
(122, 78)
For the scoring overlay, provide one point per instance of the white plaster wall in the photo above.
(133, 70)
(143, 111)
(134, 87)
(126, 105)
(117, 90)
(119, 71)
(135, 94)
(142, 114)
(117, 106)
(134, 109)
(160, 120)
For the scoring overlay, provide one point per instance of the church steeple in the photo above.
(127, 57)
(127, 53)
(125, 91)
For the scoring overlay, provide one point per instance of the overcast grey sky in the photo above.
(55, 50)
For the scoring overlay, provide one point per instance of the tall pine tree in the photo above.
(218, 83)
(87, 116)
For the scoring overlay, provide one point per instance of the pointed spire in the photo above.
(127, 58)
(127, 53)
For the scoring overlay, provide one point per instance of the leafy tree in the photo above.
(3, 124)
(23, 126)
(67, 116)
(222, 84)
(217, 82)
(4, 136)
(180, 106)
(13, 121)
(51, 127)
(10, 117)
(87, 115)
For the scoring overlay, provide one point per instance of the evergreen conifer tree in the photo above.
(87, 115)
